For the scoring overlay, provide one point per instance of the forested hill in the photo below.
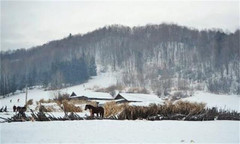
(159, 57)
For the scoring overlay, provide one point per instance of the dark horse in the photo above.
(97, 110)
(21, 109)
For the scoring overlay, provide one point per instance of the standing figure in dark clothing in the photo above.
(14, 108)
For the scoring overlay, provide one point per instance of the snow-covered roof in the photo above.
(94, 95)
(140, 97)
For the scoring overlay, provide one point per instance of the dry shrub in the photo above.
(50, 107)
(181, 107)
(178, 95)
(110, 89)
(168, 108)
(68, 107)
(185, 107)
(60, 97)
(78, 101)
(112, 108)
(45, 101)
(138, 90)
(46, 108)
(43, 109)
(93, 88)
(30, 102)
(93, 103)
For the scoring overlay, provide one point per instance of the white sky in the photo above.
(30, 23)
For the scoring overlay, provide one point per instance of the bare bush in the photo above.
(68, 107)
(80, 102)
(178, 95)
(111, 88)
(30, 102)
(112, 108)
(169, 108)
(60, 97)
(138, 90)
(45, 101)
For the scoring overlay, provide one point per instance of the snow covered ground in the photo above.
(110, 131)
(102, 80)
(226, 102)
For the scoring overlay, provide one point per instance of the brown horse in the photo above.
(97, 110)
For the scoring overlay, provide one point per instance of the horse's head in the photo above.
(18, 108)
(87, 107)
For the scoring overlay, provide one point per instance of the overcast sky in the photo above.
(31, 23)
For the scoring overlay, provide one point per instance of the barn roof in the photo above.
(139, 97)
(73, 94)
(94, 95)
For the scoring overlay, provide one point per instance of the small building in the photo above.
(102, 97)
(73, 94)
(135, 97)
(89, 95)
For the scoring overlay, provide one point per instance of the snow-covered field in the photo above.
(110, 131)
(226, 102)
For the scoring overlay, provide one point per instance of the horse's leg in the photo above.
(102, 114)
(91, 111)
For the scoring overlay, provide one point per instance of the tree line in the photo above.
(160, 57)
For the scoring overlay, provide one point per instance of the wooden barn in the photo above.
(89, 95)
(102, 98)
(135, 97)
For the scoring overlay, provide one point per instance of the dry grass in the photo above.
(45, 101)
(112, 108)
(137, 90)
(46, 108)
(186, 107)
(53, 107)
(77, 101)
(65, 104)
(169, 108)
(110, 89)
(60, 97)
(69, 107)
(30, 102)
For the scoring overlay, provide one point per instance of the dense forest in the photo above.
(158, 57)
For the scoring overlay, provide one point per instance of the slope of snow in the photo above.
(35, 94)
(109, 131)
(102, 80)
(227, 102)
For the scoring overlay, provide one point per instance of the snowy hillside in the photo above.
(160, 57)
(227, 102)
(102, 80)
